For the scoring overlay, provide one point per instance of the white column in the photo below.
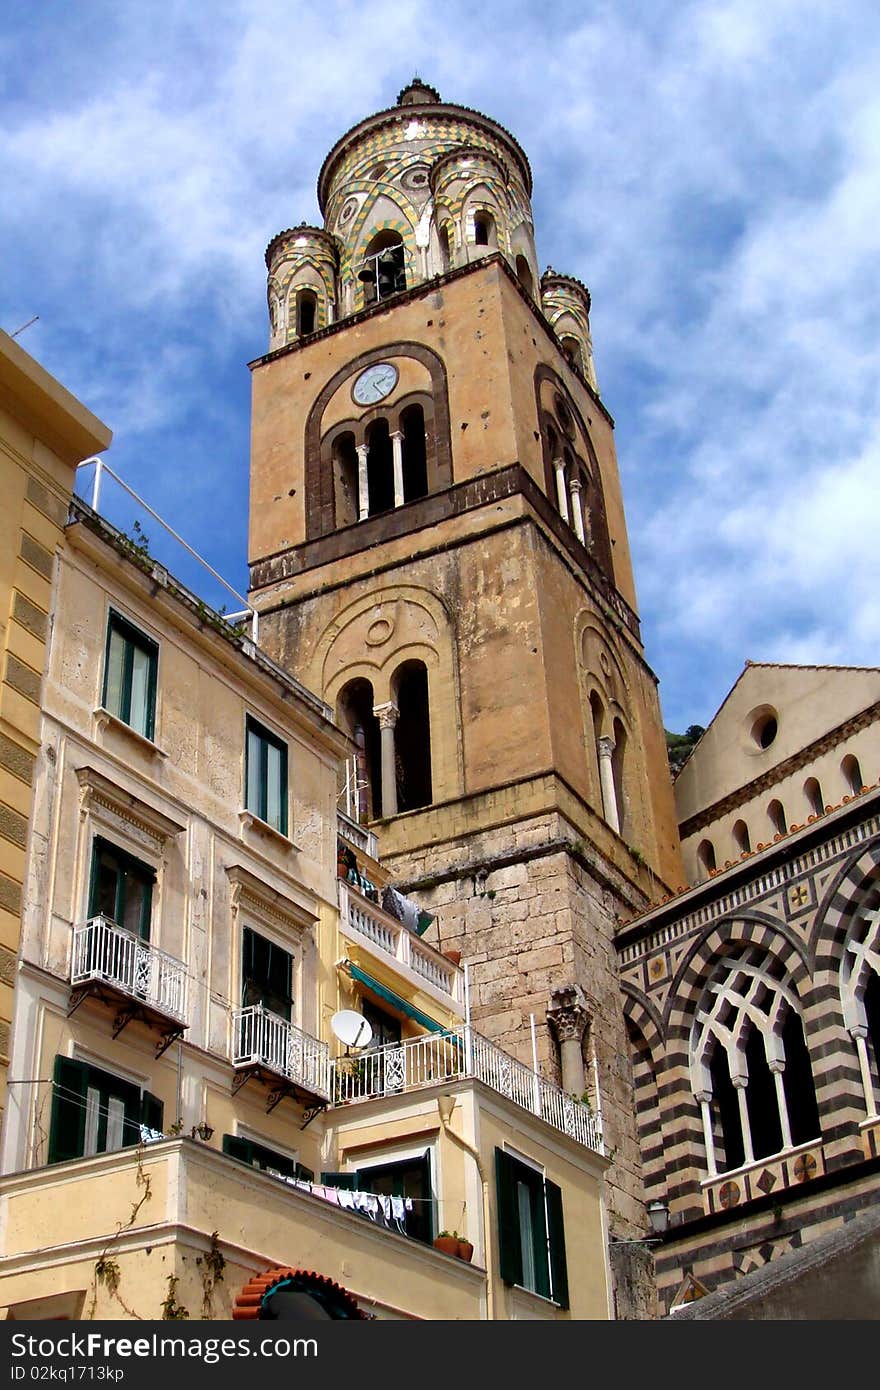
(363, 485)
(605, 749)
(387, 717)
(740, 1083)
(576, 509)
(705, 1100)
(777, 1069)
(561, 494)
(859, 1035)
(397, 459)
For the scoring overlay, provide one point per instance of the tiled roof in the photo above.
(247, 1303)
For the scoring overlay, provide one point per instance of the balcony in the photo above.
(118, 966)
(425, 967)
(264, 1042)
(461, 1054)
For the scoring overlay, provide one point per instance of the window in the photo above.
(122, 888)
(267, 1160)
(266, 776)
(306, 313)
(406, 1178)
(748, 1040)
(706, 857)
(813, 793)
(266, 974)
(484, 229)
(130, 676)
(531, 1236)
(776, 817)
(852, 774)
(741, 837)
(95, 1112)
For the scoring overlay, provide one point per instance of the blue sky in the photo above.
(710, 169)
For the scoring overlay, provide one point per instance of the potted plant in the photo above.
(465, 1249)
(447, 1241)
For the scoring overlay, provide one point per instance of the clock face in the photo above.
(375, 383)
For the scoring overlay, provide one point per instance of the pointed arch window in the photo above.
(750, 1068)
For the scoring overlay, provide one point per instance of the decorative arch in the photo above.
(401, 642)
(319, 480)
(759, 930)
(572, 476)
(608, 733)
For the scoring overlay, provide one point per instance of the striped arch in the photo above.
(855, 887)
(639, 1010)
(722, 939)
(846, 939)
(645, 1031)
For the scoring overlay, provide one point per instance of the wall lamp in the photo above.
(202, 1131)
(658, 1215)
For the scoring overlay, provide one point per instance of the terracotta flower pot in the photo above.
(448, 1244)
(465, 1250)
(454, 956)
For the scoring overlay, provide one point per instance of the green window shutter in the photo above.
(509, 1247)
(539, 1230)
(347, 1180)
(556, 1232)
(237, 1148)
(68, 1123)
(152, 1111)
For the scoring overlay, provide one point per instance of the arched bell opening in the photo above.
(412, 736)
(362, 776)
(383, 270)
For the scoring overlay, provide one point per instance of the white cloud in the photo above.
(710, 169)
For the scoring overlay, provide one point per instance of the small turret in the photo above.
(566, 306)
(302, 264)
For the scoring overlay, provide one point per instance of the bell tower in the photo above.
(438, 548)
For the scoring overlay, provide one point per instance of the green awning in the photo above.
(394, 999)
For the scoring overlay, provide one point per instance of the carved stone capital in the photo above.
(386, 714)
(568, 1014)
(606, 746)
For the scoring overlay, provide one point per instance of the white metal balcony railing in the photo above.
(261, 1038)
(105, 952)
(456, 1055)
(398, 942)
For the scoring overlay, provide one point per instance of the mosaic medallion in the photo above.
(729, 1194)
(804, 1167)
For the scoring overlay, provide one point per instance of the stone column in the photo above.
(397, 460)
(777, 1069)
(859, 1035)
(577, 514)
(705, 1101)
(363, 485)
(561, 494)
(605, 749)
(568, 1017)
(387, 717)
(740, 1083)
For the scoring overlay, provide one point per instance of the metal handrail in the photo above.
(461, 1054)
(104, 951)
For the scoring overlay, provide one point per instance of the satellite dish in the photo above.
(351, 1028)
